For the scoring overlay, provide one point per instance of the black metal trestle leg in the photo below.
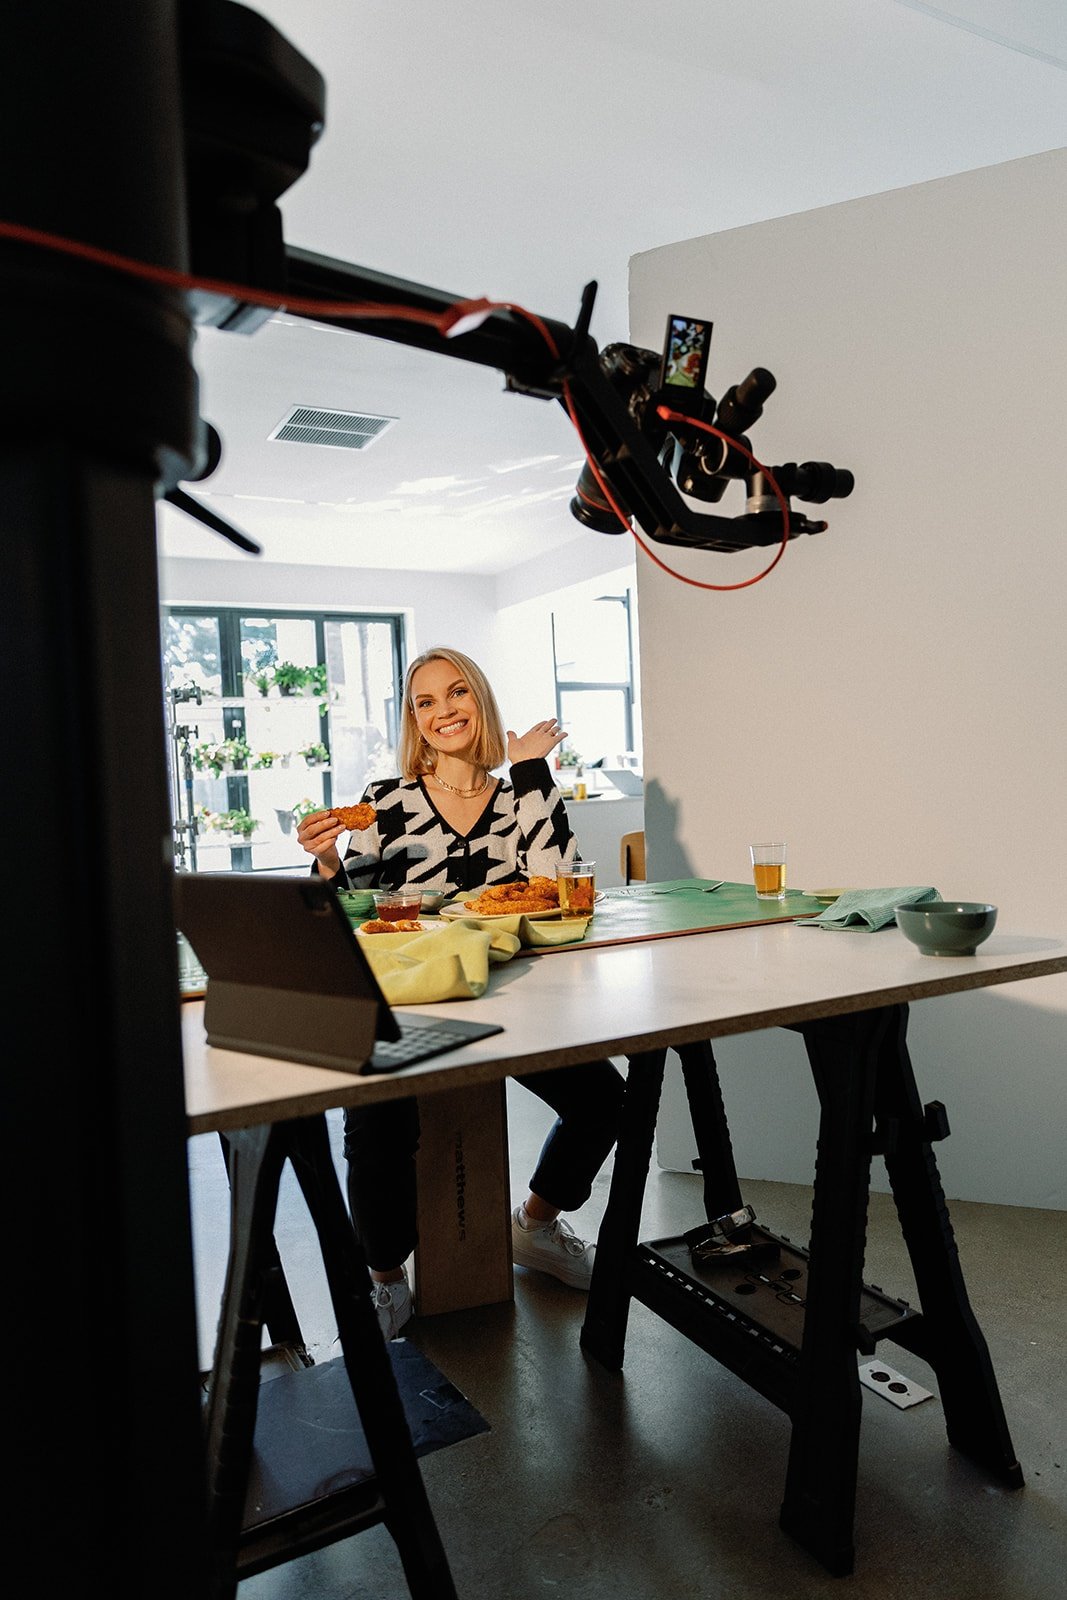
(279, 1312)
(866, 1088)
(256, 1157)
(722, 1191)
(948, 1335)
(608, 1307)
(407, 1509)
(254, 1162)
(820, 1491)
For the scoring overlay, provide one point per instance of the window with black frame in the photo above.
(271, 714)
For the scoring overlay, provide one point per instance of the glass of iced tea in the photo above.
(768, 870)
(577, 888)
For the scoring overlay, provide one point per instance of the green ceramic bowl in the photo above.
(947, 927)
(358, 903)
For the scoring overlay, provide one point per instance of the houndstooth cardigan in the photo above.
(523, 832)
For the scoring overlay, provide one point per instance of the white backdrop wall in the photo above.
(892, 700)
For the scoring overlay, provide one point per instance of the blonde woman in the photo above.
(448, 824)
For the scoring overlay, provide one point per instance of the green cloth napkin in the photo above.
(443, 963)
(867, 909)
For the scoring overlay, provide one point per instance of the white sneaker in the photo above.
(554, 1248)
(392, 1302)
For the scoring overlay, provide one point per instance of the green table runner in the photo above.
(640, 912)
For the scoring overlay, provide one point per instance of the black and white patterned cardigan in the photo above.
(523, 832)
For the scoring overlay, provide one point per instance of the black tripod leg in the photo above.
(722, 1193)
(370, 1371)
(820, 1491)
(254, 1160)
(608, 1307)
(948, 1337)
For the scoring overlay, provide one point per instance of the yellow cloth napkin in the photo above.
(452, 962)
(448, 963)
(530, 933)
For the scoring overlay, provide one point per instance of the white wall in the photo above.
(440, 607)
(891, 700)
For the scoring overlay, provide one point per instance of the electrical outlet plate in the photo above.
(892, 1386)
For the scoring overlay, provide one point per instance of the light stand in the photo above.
(181, 766)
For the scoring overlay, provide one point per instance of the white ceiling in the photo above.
(520, 149)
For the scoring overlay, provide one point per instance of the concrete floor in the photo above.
(663, 1482)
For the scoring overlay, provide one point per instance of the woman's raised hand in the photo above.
(317, 833)
(541, 738)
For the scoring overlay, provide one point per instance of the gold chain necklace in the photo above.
(464, 794)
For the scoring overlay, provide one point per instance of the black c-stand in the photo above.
(181, 768)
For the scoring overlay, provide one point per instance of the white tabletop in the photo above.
(577, 1005)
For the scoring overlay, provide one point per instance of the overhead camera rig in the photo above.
(253, 109)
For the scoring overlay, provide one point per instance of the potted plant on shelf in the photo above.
(264, 759)
(209, 757)
(239, 824)
(290, 678)
(235, 752)
(295, 814)
(314, 754)
(260, 681)
(316, 682)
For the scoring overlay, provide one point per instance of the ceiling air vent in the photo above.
(340, 430)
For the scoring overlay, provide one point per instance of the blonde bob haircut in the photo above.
(414, 755)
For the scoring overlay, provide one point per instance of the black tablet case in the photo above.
(286, 975)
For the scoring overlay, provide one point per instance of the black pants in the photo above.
(380, 1143)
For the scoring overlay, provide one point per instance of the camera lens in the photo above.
(818, 481)
(742, 405)
(591, 509)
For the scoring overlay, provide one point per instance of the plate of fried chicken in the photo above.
(531, 897)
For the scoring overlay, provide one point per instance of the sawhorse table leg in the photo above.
(866, 1088)
(948, 1336)
(608, 1308)
(256, 1159)
(279, 1312)
(820, 1490)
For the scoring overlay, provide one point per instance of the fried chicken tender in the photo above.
(390, 927)
(537, 894)
(355, 818)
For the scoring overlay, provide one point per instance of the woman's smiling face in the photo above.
(444, 707)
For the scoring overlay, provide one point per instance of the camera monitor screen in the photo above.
(685, 362)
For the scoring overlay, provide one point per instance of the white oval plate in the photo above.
(456, 912)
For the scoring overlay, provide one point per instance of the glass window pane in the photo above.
(351, 711)
(192, 654)
(363, 704)
(592, 640)
(595, 720)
